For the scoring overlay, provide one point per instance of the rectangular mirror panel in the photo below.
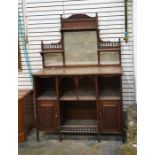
(80, 47)
(109, 57)
(53, 59)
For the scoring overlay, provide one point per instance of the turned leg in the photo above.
(60, 137)
(37, 134)
(98, 137)
(124, 136)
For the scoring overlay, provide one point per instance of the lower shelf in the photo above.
(79, 126)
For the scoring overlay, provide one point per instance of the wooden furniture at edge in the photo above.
(85, 99)
(25, 113)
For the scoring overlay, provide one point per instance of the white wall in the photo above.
(43, 22)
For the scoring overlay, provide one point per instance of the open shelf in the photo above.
(68, 89)
(68, 96)
(86, 88)
(78, 114)
(46, 88)
(79, 126)
(109, 88)
(110, 95)
(48, 95)
(78, 117)
(77, 123)
(87, 95)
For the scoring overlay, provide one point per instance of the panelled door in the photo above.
(48, 115)
(110, 116)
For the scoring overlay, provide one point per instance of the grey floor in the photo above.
(71, 145)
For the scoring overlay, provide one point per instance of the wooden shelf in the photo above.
(109, 98)
(79, 126)
(83, 95)
(109, 95)
(48, 95)
(68, 95)
(77, 123)
(87, 95)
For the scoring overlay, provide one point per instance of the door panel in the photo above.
(110, 116)
(48, 115)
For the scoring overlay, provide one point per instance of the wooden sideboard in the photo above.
(79, 89)
(79, 100)
(25, 113)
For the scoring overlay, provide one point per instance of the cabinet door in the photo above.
(48, 115)
(110, 116)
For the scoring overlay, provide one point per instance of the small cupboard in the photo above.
(110, 116)
(48, 113)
